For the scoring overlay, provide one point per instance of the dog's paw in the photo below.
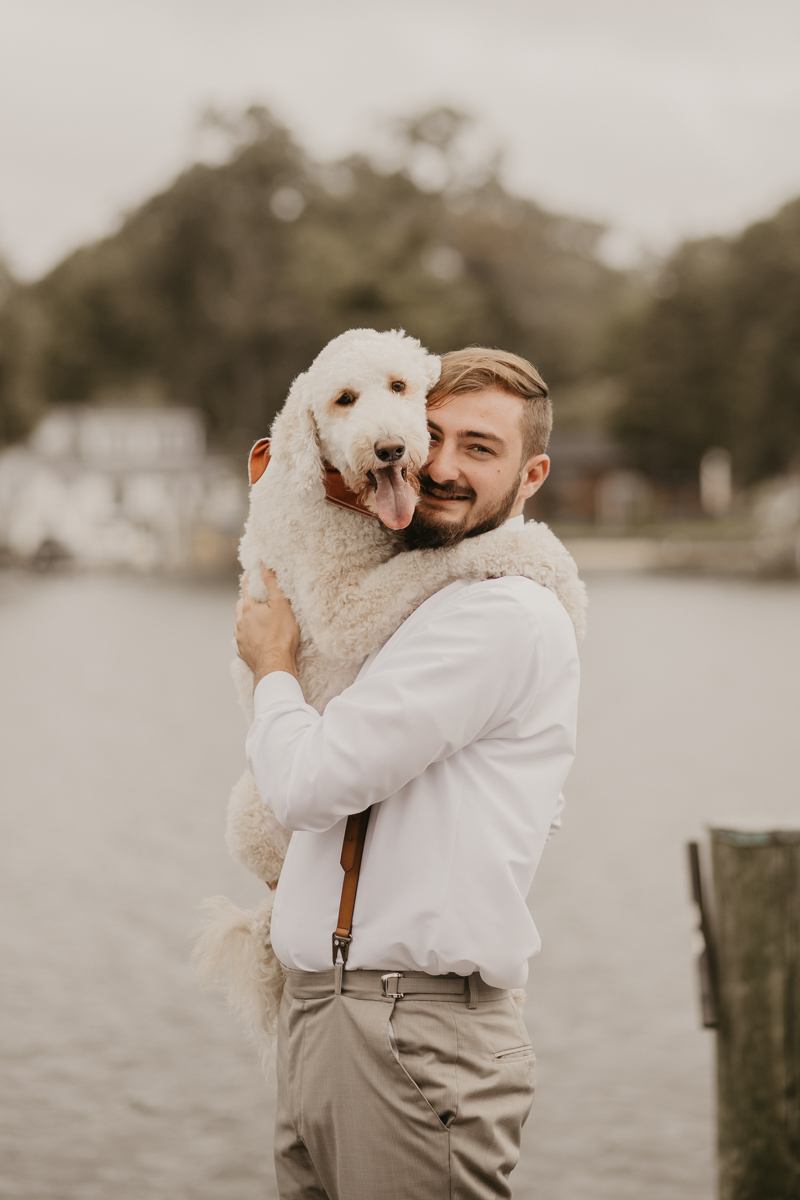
(255, 584)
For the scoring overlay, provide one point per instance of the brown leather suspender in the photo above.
(355, 833)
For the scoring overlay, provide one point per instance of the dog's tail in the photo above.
(234, 954)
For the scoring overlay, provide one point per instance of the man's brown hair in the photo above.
(478, 368)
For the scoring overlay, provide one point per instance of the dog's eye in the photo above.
(398, 386)
(346, 398)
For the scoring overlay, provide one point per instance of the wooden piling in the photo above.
(756, 935)
(706, 963)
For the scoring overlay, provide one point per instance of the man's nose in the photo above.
(441, 465)
(390, 450)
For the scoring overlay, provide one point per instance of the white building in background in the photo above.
(121, 487)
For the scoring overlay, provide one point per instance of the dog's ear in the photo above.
(432, 370)
(294, 439)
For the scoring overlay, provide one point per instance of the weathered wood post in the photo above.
(756, 965)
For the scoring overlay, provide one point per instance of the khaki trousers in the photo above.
(379, 1098)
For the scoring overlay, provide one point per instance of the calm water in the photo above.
(120, 1081)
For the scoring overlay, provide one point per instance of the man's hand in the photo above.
(267, 635)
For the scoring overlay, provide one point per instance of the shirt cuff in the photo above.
(279, 687)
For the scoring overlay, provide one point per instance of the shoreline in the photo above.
(751, 558)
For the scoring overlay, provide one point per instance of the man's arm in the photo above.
(450, 681)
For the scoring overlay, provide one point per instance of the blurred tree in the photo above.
(221, 289)
(715, 359)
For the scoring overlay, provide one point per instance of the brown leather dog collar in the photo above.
(335, 488)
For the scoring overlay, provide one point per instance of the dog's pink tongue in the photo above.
(394, 498)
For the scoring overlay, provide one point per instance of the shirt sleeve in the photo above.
(448, 682)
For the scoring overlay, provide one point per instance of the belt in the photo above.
(393, 985)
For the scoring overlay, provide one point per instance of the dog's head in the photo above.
(361, 407)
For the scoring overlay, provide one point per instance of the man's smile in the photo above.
(442, 495)
(439, 499)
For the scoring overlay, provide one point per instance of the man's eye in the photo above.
(398, 386)
(346, 398)
(483, 449)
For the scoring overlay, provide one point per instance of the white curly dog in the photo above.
(357, 416)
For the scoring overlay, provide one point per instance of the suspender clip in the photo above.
(341, 945)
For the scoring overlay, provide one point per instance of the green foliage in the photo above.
(715, 361)
(220, 290)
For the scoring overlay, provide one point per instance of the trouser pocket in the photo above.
(423, 1041)
(515, 1054)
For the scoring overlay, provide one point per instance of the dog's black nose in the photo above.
(390, 452)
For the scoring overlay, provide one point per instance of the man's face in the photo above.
(474, 478)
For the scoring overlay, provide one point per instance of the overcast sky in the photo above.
(663, 118)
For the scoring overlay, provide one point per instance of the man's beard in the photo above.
(429, 533)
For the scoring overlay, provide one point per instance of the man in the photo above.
(409, 1075)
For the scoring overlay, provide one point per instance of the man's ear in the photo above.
(534, 473)
(294, 438)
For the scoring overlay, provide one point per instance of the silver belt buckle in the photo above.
(396, 994)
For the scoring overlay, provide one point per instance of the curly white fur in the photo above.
(349, 584)
(234, 952)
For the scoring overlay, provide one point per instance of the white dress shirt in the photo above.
(460, 732)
